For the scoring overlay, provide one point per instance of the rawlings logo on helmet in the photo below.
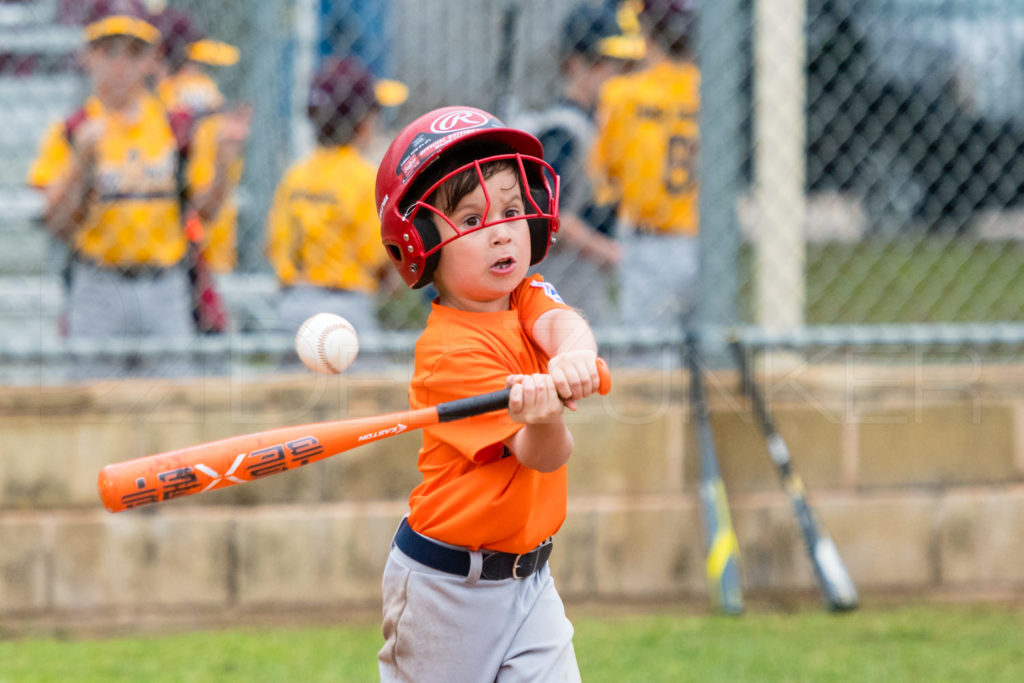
(459, 120)
(441, 132)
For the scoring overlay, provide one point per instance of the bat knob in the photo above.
(605, 376)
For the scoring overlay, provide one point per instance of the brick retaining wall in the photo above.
(920, 483)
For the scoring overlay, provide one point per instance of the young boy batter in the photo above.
(467, 203)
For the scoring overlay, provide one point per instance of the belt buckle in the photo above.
(515, 567)
(533, 558)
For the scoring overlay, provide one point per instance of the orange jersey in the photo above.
(135, 216)
(647, 146)
(474, 493)
(323, 228)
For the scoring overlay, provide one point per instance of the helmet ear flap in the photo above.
(430, 237)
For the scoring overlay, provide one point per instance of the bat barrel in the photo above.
(239, 459)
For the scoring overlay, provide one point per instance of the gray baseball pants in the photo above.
(444, 627)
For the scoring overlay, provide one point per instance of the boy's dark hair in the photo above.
(448, 196)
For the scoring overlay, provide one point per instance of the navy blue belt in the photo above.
(497, 566)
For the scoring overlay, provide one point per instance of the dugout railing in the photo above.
(48, 360)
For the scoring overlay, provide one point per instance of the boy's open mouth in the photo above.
(504, 265)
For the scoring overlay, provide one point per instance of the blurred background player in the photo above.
(323, 232)
(646, 155)
(584, 260)
(185, 86)
(112, 193)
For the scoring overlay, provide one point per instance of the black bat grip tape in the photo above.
(474, 405)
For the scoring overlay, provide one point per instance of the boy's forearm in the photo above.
(560, 330)
(543, 447)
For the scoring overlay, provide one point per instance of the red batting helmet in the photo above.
(411, 172)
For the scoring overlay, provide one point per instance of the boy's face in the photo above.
(478, 271)
(119, 66)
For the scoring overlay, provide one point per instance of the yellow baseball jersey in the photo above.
(198, 94)
(134, 216)
(647, 146)
(323, 228)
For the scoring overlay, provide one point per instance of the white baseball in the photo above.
(327, 343)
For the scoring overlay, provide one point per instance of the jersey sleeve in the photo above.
(534, 298)
(53, 159)
(466, 373)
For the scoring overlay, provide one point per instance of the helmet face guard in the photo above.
(408, 228)
(539, 202)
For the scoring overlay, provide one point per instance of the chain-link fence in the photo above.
(848, 162)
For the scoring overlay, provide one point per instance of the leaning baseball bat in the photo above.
(238, 459)
(723, 552)
(837, 589)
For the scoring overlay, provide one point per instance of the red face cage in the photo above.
(533, 197)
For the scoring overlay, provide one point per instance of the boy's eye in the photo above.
(512, 212)
(472, 221)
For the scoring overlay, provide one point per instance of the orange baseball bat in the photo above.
(238, 459)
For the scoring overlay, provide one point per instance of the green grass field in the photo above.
(932, 279)
(917, 643)
(877, 280)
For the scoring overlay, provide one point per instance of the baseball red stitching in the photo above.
(322, 340)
